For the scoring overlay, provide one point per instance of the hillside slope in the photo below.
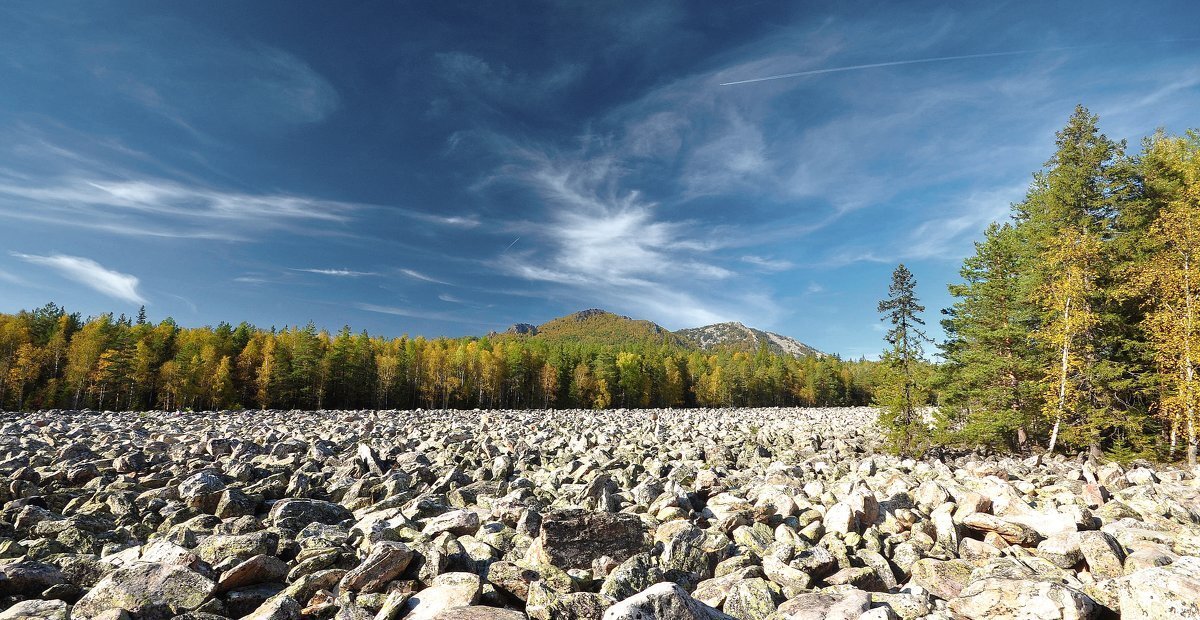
(738, 337)
(597, 327)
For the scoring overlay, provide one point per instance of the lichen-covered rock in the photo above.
(1168, 592)
(446, 592)
(36, 610)
(28, 578)
(147, 591)
(840, 605)
(1014, 599)
(478, 612)
(751, 599)
(576, 538)
(942, 578)
(386, 562)
(664, 601)
(296, 513)
(261, 568)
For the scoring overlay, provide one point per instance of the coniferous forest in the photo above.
(52, 358)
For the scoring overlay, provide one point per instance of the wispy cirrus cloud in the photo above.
(417, 313)
(341, 273)
(768, 264)
(121, 286)
(417, 275)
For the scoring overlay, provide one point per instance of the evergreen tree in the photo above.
(904, 389)
(989, 378)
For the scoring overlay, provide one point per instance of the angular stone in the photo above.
(36, 610)
(478, 612)
(1062, 550)
(221, 547)
(840, 519)
(1018, 599)
(1167, 592)
(575, 538)
(447, 591)
(943, 579)
(148, 591)
(281, 607)
(296, 513)
(751, 599)
(457, 522)
(1015, 533)
(28, 578)
(385, 563)
(261, 568)
(664, 601)
(835, 605)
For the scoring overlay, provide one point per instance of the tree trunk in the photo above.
(1062, 382)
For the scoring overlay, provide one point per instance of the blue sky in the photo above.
(444, 168)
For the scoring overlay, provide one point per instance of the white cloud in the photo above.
(417, 275)
(91, 274)
(343, 273)
(419, 314)
(769, 264)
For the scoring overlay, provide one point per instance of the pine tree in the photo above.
(989, 378)
(904, 389)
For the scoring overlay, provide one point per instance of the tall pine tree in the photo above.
(988, 382)
(905, 390)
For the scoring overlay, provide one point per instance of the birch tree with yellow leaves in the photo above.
(1065, 298)
(1171, 277)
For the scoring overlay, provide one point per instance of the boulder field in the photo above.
(753, 514)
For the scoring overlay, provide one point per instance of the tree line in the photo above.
(1074, 325)
(50, 358)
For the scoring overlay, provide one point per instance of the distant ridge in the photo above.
(738, 337)
(603, 327)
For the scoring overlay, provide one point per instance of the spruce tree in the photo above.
(988, 381)
(904, 389)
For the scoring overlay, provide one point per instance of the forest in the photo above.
(1074, 324)
(50, 358)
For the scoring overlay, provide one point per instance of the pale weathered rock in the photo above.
(844, 605)
(665, 601)
(36, 610)
(457, 522)
(1015, 533)
(1013, 599)
(1168, 592)
(447, 592)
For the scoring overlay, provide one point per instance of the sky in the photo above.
(451, 168)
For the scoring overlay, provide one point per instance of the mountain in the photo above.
(738, 337)
(597, 326)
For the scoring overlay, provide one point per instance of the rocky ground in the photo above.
(750, 514)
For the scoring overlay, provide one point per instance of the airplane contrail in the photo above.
(514, 242)
(896, 63)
